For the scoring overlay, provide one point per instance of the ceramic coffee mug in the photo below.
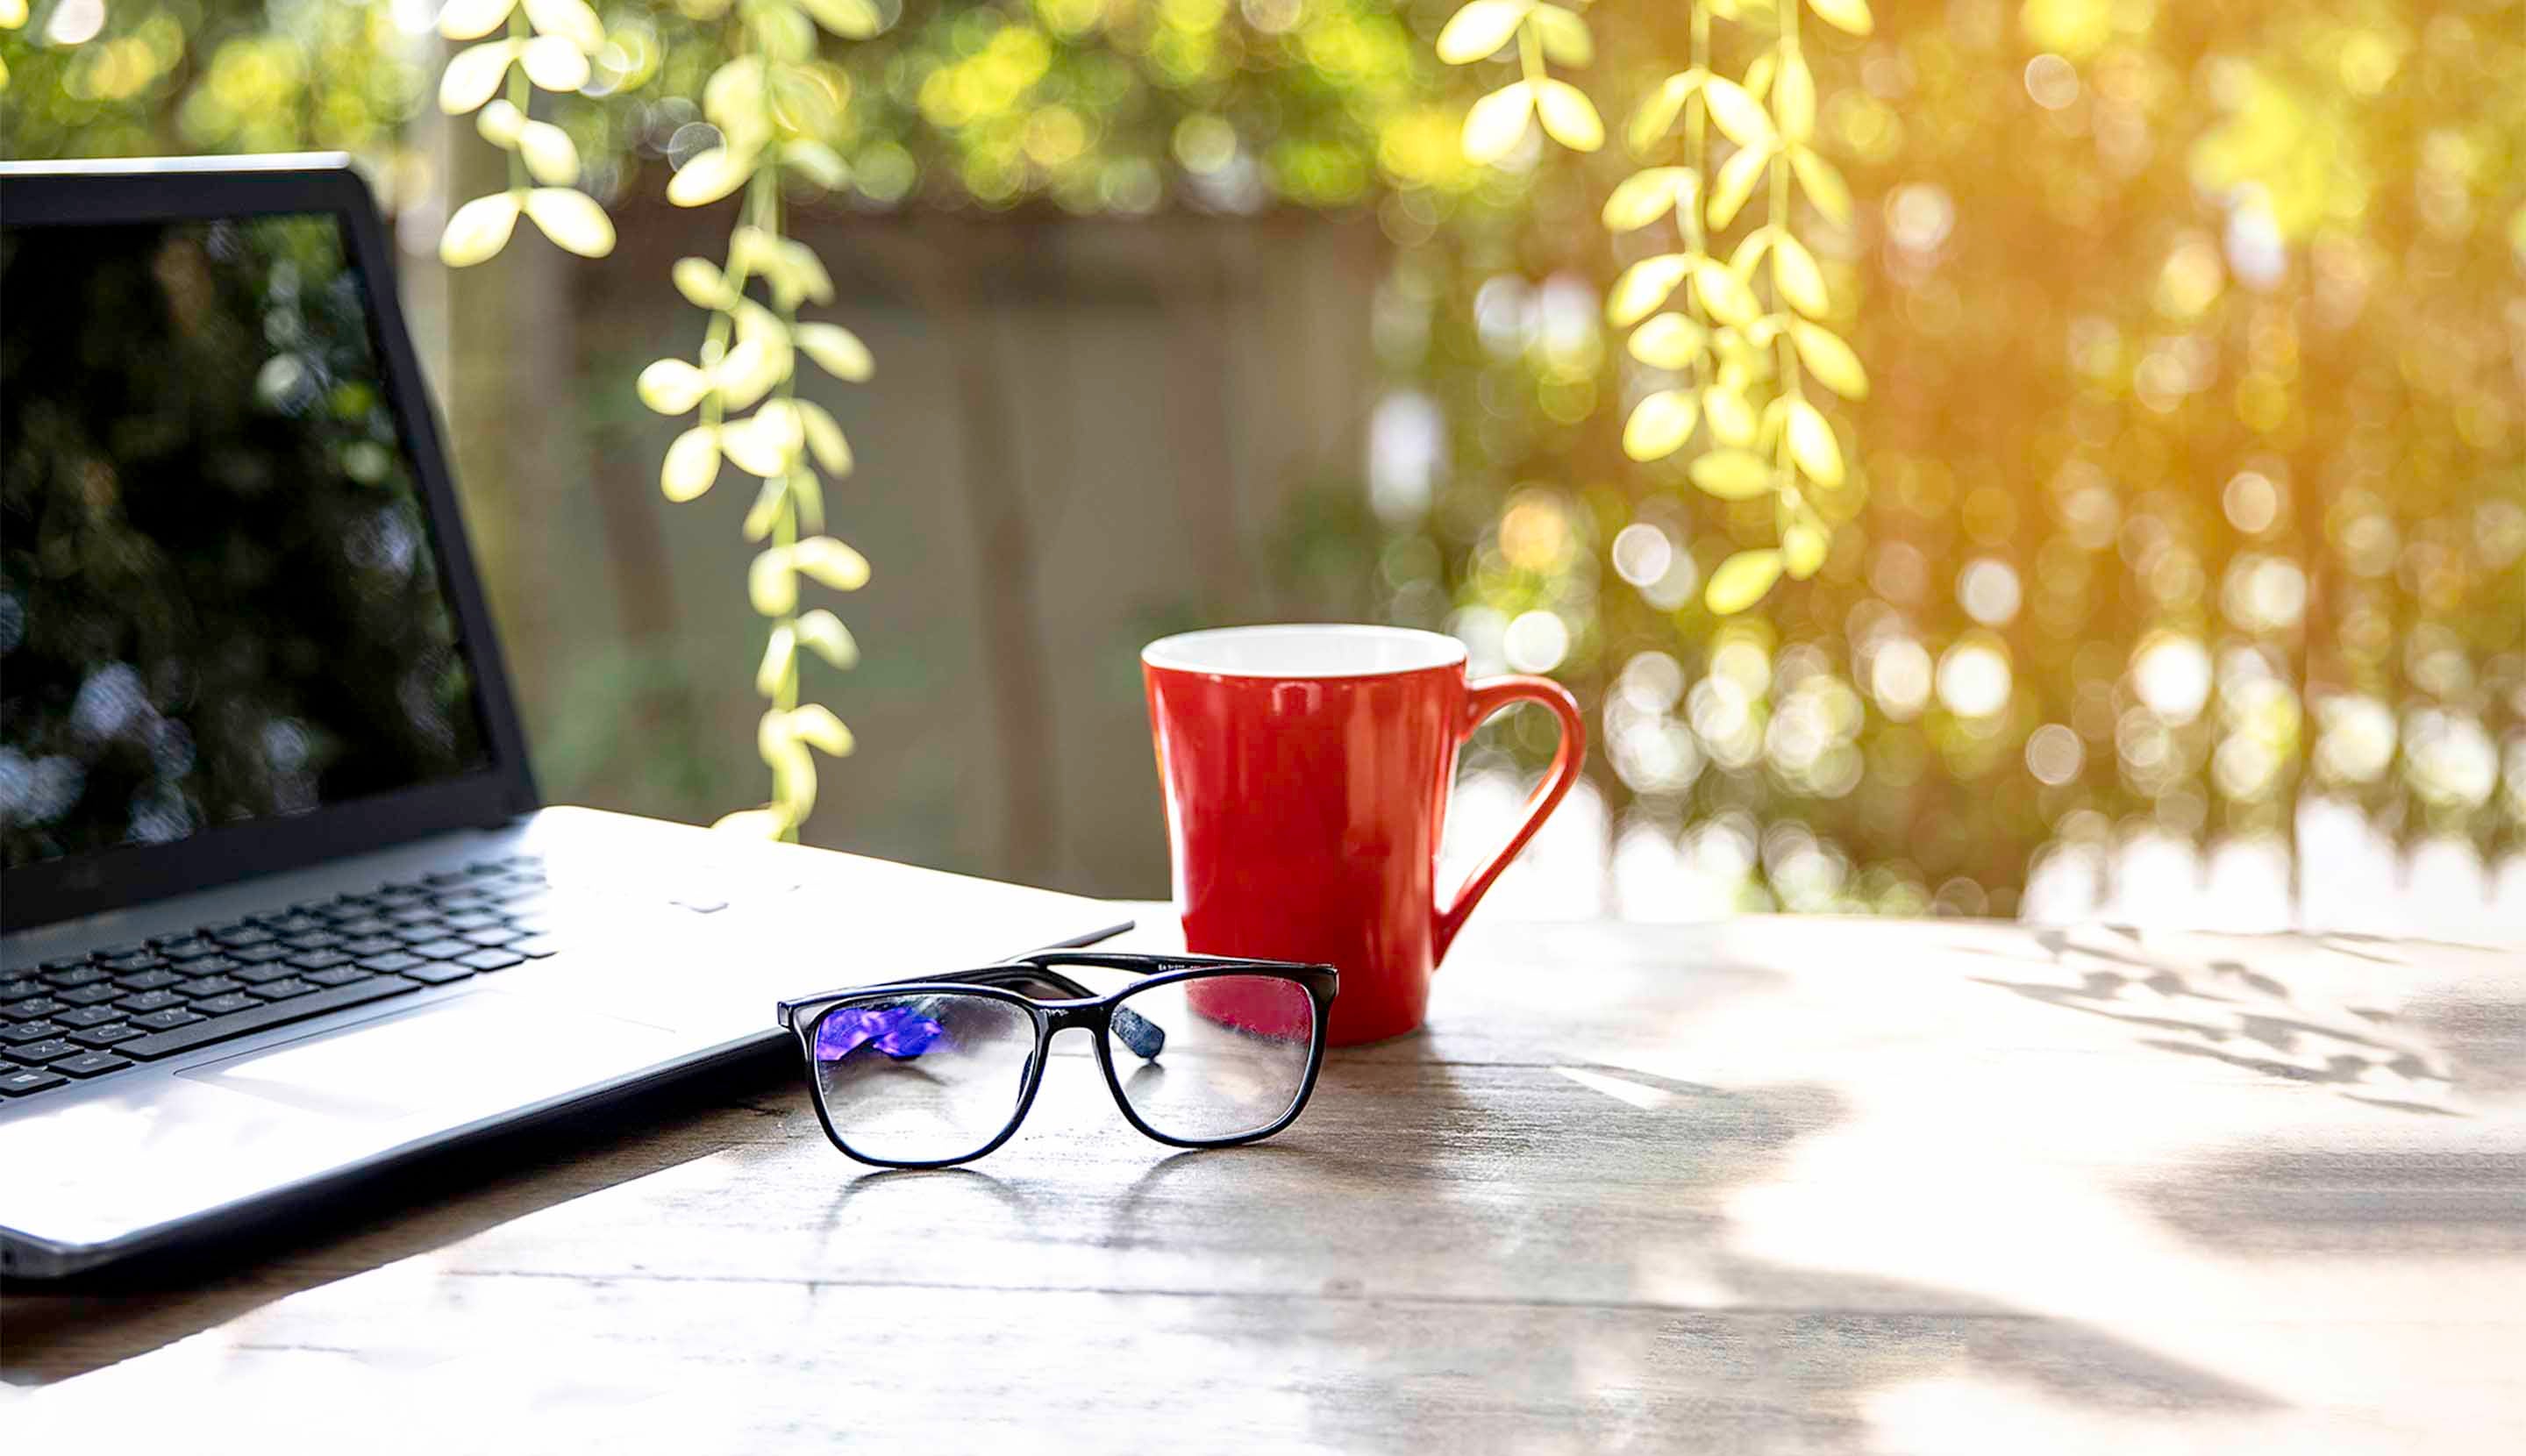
(1306, 773)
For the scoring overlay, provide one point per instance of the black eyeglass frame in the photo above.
(1078, 1006)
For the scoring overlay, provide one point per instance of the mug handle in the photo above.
(1482, 700)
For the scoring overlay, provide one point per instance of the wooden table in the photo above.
(1771, 1186)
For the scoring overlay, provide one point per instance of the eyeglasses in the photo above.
(923, 1073)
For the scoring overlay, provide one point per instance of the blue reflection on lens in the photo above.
(900, 1031)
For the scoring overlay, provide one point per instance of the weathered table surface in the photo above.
(1769, 1185)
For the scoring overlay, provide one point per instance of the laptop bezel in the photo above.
(40, 194)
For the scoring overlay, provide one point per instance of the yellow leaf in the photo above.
(1823, 184)
(701, 281)
(1565, 37)
(1736, 114)
(851, 20)
(836, 350)
(809, 494)
(1795, 274)
(554, 63)
(764, 513)
(1498, 123)
(733, 100)
(1845, 14)
(779, 652)
(500, 124)
(765, 441)
(479, 229)
(816, 162)
(473, 74)
(760, 823)
(830, 562)
(1736, 183)
(770, 584)
(1663, 106)
(1813, 444)
(1659, 424)
(571, 220)
(571, 20)
(550, 156)
(1643, 197)
(1829, 359)
(1732, 475)
(1732, 419)
(1668, 342)
(1643, 287)
(824, 635)
(1723, 293)
(1749, 251)
(815, 284)
(1802, 549)
(464, 20)
(671, 386)
(710, 176)
(1758, 74)
(1479, 30)
(1793, 99)
(1569, 116)
(824, 437)
(814, 723)
(691, 464)
(1740, 580)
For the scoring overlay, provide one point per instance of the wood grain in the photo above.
(1773, 1186)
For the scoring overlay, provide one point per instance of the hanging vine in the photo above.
(1743, 347)
(770, 108)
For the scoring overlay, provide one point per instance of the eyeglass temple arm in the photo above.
(1143, 1037)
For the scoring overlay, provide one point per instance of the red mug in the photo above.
(1306, 772)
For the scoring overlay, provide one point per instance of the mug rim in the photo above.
(1179, 653)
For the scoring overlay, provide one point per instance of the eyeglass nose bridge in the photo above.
(1087, 1016)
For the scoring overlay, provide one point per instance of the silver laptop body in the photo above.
(253, 721)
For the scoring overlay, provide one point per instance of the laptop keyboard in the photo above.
(72, 1020)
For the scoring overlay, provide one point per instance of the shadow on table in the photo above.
(56, 1329)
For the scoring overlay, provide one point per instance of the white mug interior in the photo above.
(1305, 651)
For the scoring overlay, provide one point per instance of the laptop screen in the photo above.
(219, 597)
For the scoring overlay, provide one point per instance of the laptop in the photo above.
(279, 908)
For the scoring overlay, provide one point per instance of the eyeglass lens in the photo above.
(921, 1078)
(1235, 1059)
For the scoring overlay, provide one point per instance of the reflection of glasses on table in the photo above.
(921, 1073)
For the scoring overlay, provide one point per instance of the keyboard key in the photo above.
(92, 1063)
(34, 1052)
(445, 877)
(28, 1082)
(370, 945)
(468, 920)
(140, 960)
(342, 974)
(531, 924)
(148, 981)
(189, 950)
(490, 959)
(319, 960)
(233, 1001)
(19, 988)
(281, 990)
(256, 1016)
(535, 947)
(36, 1030)
(210, 966)
(494, 936)
(440, 972)
(65, 963)
(366, 924)
(111, 952)
(313, 941)
(255, 976)
(443, 950)
(392, 962)
(106, 1035)
(165, 1021)
(89, 995)
(211, 985)
(254, 955)
(34, 1007)
(75, 975)
(89, 1016)
(295, 923)
(241, 934)
(410, 921)
(150, 1001)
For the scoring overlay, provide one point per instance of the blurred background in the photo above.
(2184, 579)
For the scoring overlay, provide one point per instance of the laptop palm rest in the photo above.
(475, 1054)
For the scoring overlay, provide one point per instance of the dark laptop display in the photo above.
(221, 600)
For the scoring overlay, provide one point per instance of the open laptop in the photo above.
(278, 904)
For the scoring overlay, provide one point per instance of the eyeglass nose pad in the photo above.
(1143, 1037)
